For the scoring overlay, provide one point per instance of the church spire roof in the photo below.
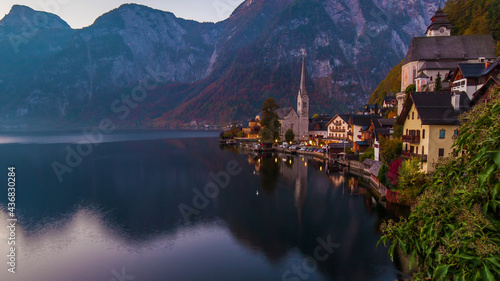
(303, 90)
(439, 20)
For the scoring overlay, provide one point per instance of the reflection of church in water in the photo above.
(295, 171)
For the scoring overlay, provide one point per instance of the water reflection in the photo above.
(120, 209)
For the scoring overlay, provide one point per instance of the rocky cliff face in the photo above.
(211, 72)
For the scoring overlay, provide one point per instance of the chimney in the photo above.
(455, 100)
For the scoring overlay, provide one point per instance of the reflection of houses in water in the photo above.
(337, 179)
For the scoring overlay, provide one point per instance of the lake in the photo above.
(175, 205)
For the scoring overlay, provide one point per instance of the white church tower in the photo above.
(303, 104)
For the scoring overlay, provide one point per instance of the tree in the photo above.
(315, 115)
(411, 88)
(241, 134)
(439, 85)
(454, 227)
(410, 180)
(270, 120)
(289, 135)
(390, 149)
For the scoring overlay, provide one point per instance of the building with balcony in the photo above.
(440, 52)
(430, 125)
(470, 77)
(338, 127)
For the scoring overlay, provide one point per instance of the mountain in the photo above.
(210, 72)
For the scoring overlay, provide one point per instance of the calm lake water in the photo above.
(116, 214)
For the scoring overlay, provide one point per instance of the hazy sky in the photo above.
(80, 13)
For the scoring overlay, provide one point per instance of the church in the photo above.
(298, 120)
(440, 52)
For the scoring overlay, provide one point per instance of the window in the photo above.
(406, 131)
(442, 134)
(416, 152)
(412, 115)
(423, 134)
(441, 152)
(455, 133)
(423, 150)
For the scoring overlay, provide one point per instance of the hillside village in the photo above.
(443, 76)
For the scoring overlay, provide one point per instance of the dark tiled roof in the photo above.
(471, 70)
(389, 98)
(319, 123)
(439, 19)
(340, 145)
(435, 108)
(492, 66)
(422, 75)
(451, 47)
(437, 65)
(283, 112)
(345, 117)
(363, 120)
(492, 82)
(386, 122)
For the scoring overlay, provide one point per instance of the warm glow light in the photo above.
(321, 168)
(276, 160)
(290, 162)
(305, 164)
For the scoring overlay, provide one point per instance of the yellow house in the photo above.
(430, 125)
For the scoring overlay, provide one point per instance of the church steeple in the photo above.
(303, 98)
(303, 90)
(440, 25)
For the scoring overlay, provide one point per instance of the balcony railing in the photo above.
(337, 130)
(409, 155)
(411, 139)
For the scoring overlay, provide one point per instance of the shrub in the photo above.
(369, 154)
(454, 227)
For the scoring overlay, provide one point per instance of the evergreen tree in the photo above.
(270, 120)
(439, 85)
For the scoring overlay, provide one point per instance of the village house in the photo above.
(338, 127)
(253, 129)
(484, 94)
(379, 128)
(439, 52)
(390, 101)
(430, 125)
(359, 125)
(318, 129)
(470, 77)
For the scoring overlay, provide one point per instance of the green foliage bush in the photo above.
(454, 227)
(411, 180)
(390, 149)
(368, 154)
